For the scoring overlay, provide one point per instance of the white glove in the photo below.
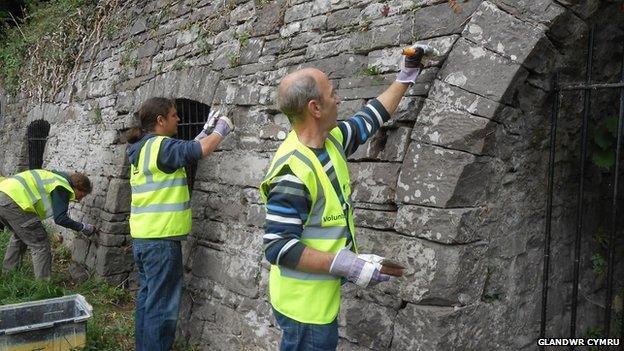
(213, 116)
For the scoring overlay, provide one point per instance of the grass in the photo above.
(112, 325)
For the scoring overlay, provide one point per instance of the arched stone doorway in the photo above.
(37, 137)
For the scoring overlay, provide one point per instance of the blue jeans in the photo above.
(159, 263)
(297, 336)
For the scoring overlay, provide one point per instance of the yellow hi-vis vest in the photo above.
(31, 190)
(311, 297)
(160, 206)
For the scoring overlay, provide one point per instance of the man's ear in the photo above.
(314, 108)
(160, 120)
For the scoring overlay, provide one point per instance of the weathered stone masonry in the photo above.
(453, 186)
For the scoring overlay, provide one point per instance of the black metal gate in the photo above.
(37, 137)
(193, 116)
(586, 87)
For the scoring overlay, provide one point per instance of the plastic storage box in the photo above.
(57, 324)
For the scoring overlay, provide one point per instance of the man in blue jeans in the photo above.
(160, 214)
(310, 234)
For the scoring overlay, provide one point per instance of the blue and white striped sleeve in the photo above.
(288, 205)
(358, 128)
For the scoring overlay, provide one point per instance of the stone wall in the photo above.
(454, 186)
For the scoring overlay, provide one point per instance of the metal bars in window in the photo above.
(587, 87)
(37, 134)
(193, 116)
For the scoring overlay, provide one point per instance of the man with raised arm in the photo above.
(310, 236)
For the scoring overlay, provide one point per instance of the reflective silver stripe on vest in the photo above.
(22, 181)
(146, 159)
(328, 233)
(291, 273)
(144, 188)
(161, 208)
(42, 193)
(317, 210)
(338, 146)
(278, 163)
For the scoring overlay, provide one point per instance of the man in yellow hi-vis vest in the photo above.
(160, 213)
(309, 235)
(27, 198)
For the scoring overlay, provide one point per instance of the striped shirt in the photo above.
(289, 201)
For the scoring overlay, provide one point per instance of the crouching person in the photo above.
(31, 196)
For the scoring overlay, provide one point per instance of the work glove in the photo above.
(223, 127)
(216, 124)
(411, 65)
(87, 229)
(213, 116)
(362, 270)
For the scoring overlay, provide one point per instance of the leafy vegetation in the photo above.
(604, 140)
(39, 53)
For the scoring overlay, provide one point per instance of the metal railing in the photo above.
(192, 115)
(587, 87)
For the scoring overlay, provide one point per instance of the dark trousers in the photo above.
(297, 336)
(159, 263)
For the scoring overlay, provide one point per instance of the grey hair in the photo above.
(294, 98)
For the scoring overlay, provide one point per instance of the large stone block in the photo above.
(149, 49)
(306, 10)
(408, 109)
(374, 219)
(477, 70)
(460, 99)
(114, 260)
(430, 175)
(435, 274)
(372, 329)
(115, 228)
(542, 11)
(501, 32)
(234, 168)
(374, 182)
(428, 328)
(251, 51)
(342, 18)
(268, 19)
(339, 66)
(327, 49)
(396, 144)
(118, 196)
(440, 20)
(453, 226)
(238, 328)
(316, 23)
(375, 38)
(438, 124)
(231, 270)
(198, 83)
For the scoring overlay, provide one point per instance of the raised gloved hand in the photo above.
(213, 116)
(216, 124)
(410, 69)
(223, 127)
(357, 269)
(87, 229)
